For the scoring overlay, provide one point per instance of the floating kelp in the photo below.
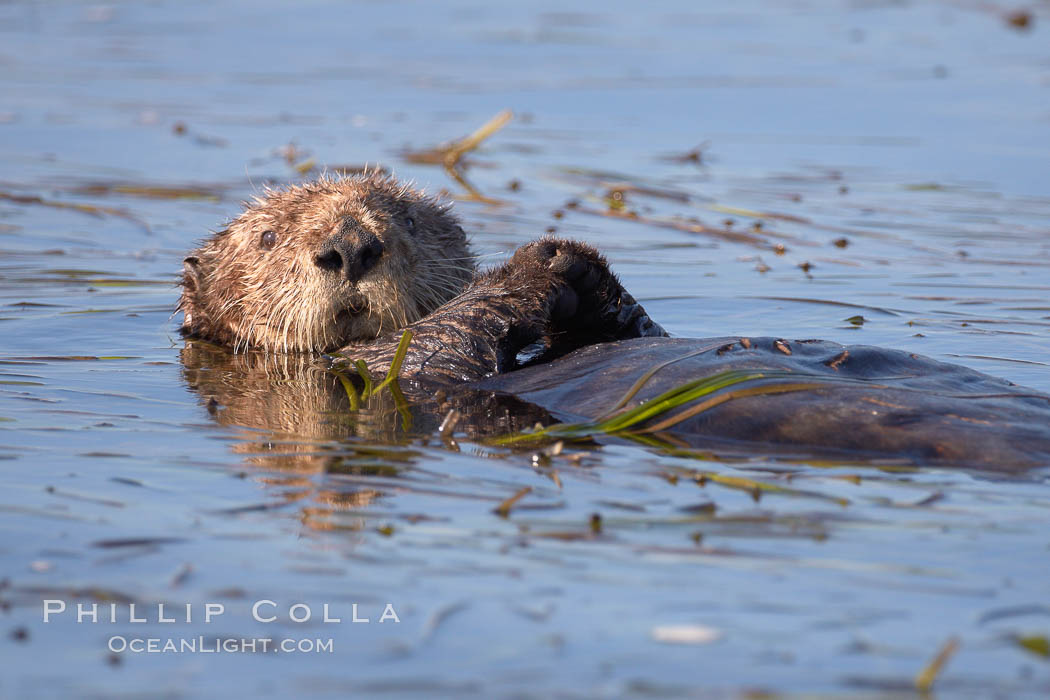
(211, 193)
(90, 209)
(755, 487)
(687, 225)
(621, 182)
(370, 389)
(694, 156)
(305, 167)
(1035, 644)
(503, 509)
(450, 155)
(636, 420)
(926, 678)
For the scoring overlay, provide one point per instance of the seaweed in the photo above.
(90, 209)
(632, 421)
(197, 192)
(928, 675)
(370, 388)
(450, 155)
(504, 508)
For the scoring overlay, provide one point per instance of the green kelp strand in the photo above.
(362, 370)
(681, 395)
(644, 379)
(399, 358)
(661, 404)
(677, 397)
(348, 387)
(722, 398)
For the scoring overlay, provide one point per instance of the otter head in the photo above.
(314, 267)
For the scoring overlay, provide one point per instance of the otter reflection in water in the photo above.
(293, 420)
(344, 265)
(294, 410)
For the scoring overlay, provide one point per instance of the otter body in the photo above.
(346, 266)
(859, 402)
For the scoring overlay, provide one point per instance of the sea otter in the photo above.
(321, 265)
(344, 266)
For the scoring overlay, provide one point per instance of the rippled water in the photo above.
(882, 160)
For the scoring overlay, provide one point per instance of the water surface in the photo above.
(880, 160)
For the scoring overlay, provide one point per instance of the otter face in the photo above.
(315, 267)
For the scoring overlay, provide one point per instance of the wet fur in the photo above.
(554, 295)
(238, 293)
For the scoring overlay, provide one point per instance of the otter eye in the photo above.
(410, 223)
(268, 239)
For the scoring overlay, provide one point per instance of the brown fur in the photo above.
(553, 296)
(239, 293)
(244, 290)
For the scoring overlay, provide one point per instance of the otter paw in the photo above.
(589, 305)
(577, 269)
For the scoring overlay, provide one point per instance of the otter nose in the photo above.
(351, 255)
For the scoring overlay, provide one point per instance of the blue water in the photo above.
(918, 132)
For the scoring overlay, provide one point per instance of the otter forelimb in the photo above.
(552, 297)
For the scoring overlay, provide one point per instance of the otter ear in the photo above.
(191, 273)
